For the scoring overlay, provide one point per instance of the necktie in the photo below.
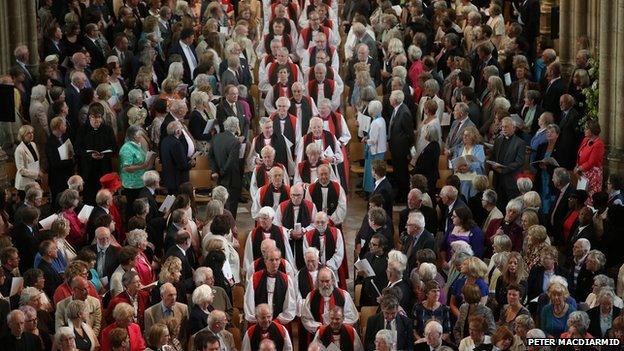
(168, 312)
(100, 262)
(233, 105)
(388, 325)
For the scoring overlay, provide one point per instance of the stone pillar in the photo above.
(565, 31)
(546, 9)
(581, 14)
(606, 57)
(615, 156)
(18, 25)
(32, 40)
(5, 42)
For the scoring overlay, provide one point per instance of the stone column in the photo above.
(546, 10)
(5, 47)
(581, 14)
(606, 56)
(615, 156)
(32, 40)
(565, 31)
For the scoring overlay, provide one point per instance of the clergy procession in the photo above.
(279, 175)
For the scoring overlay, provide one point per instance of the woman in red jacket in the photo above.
(590, 158)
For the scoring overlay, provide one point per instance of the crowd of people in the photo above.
(465, 115)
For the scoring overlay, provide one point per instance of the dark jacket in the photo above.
(27, 244)
(405, 335)
(536, 278)
(385, 190)
(431, 218)
(224, 159)
(111, 259)
(594, 321)
(175, 164)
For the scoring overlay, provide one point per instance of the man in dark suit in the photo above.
(52, 45)
(395, 274)
(230, 106)
(474, 109)
(433, 338)
(107, 256)
(184, 48)
(391, 320)
(508, 155)
(151, 180)
(362, 37)
(10, 265)
(120, 49)
(18, 338)
(378, 259)
(485, 58)
(176, 225)
(182, 250)
(580, 278)
(584, 229)
(22, 58)
(535, 281)
(232, 74)
(174, 157)
(401, 133)
(362, 54)
(383, 186)
(554, 89)
(414, 204)
(94, 45)
(74, 102)
(225, 164)
(461, 122)
(245, 70)
(559, 210)
(414, 239)
(25, 237)
(450, 201)
(570, 135)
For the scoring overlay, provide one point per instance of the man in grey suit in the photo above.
(231, 76)
(230, 106)
(401, 133)
(461, 122)
(168, 307)
(225, 163)
(508, 153)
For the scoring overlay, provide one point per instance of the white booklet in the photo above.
(17, 284)
(65, 150)
(241, 152)
(582, 183)
(46, 223)
(329, 153)
(209, 125)
(365, 266)
(85, 213)
(167, 203)
(446, 119)
(364, 123)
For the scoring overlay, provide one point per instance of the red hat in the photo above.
(111, 181)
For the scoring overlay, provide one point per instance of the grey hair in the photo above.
(38, 92)
(127, 277)
(398, 257)
(320, 67)
(266, 211)
(202, 293)
(136, 237)
(598, 256)
(526, 321)
(490, 196)
(74, 308)
(27, 294)
(397, 95)
(63, 332)
(150, 178)
(533, 333)
(606, 292)
(432, 85)
(220, 193)
(199, 276)
(427, 271)
(177, 105)
(387, 336)
(132, 132)
(135, 95)
(501, 103)
(604, 281)
(173, 127)
(313, 147)
(231, 125)
(311, 251)
(414, 52)
(585, 244)
(502, 241)
(201, 80)
(514, 204)
(524, 184)
(433, 326)
(198, 97)
(213, 209)
(419, 218)
(562, 175)
(580, 320)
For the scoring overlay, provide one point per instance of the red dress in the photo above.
(77, 229)
(144, 269)
(589, 159)
(137, 343)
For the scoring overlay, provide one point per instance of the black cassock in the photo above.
(91, 170)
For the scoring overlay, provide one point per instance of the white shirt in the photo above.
(190, 57)
(290, 300)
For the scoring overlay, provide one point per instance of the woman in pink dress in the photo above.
(138, 239)
(68, 201)
(589, 159)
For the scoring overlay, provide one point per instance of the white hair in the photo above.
(311, 251)
(399, 257)
(419, 218)
(433, 326)
(201, 294)
(427, 271)
(231, 125)
(266, 211)
(38, 92)
(374, 108)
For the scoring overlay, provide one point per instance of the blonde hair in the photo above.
(476, 267)
(171, 265)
